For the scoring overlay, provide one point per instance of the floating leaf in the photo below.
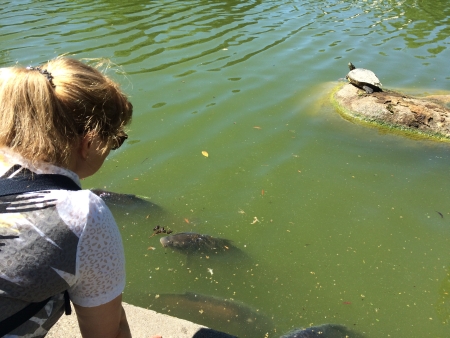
(205, 153)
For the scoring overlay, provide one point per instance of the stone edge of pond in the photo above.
(383, 126)
(143, 323)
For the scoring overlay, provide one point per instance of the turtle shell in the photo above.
(361, 76)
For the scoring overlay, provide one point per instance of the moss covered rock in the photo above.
(427, 117)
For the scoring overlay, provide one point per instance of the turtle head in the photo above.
(351, 66)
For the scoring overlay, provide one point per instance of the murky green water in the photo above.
(347, 230)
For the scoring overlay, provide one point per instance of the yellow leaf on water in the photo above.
(205, 153)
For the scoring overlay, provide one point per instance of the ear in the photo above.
(85, 146)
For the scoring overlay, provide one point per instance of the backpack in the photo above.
(28, 181)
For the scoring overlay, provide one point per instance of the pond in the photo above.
(335, 222)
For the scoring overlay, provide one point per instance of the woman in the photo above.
(58, 124)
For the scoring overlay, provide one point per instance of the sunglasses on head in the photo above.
(119, 140)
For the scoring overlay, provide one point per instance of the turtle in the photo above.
(363, 78)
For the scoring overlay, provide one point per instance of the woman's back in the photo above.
(54, 241)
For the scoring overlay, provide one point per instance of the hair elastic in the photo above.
(44, 72)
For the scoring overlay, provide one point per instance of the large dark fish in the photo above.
(192, 243)
(225, 315)
(128, 201)
(324, 331)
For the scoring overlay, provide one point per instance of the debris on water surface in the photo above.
(205, 153)
(161, 230)
(255, 220)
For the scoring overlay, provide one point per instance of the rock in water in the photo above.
(323, 331)
(396, 112)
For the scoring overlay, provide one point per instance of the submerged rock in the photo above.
(427, 117)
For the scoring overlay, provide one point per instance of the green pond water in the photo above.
(337, 222)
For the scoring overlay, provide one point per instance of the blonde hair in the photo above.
(45, 111)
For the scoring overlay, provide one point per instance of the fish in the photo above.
(225, 315)
(324, 331)
(192, 243)
(118, 200)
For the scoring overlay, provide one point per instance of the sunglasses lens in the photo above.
(119, 140)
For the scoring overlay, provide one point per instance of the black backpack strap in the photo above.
(17, 319)
(27, 181)
(67, 308)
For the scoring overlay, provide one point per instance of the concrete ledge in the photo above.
(144, 324)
